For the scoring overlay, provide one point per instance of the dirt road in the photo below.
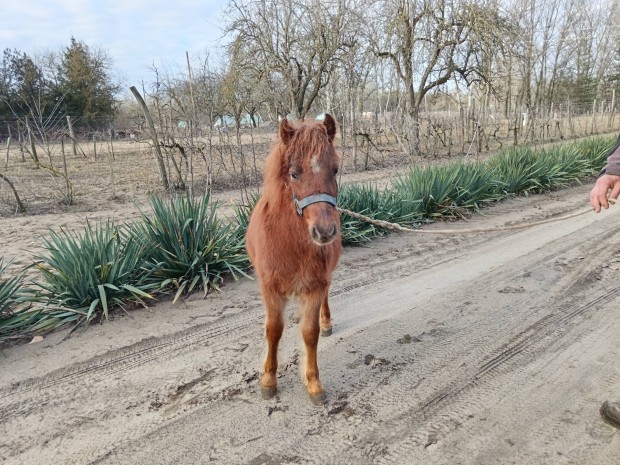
(468, 349)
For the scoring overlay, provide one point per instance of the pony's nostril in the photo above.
(323, 235)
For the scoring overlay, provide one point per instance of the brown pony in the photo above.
(294, 243)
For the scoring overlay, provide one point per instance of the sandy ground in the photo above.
(483, 349)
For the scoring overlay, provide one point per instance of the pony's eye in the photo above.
(294, 175)
(335, 171)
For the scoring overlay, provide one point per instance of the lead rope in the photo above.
(398, 227)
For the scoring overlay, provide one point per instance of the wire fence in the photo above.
(84, 164)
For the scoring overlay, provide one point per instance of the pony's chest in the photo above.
(306, 271)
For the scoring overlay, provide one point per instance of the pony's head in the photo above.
(309, 168)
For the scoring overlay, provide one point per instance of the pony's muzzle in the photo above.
(323, 234)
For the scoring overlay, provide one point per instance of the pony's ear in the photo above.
(286, 131)
(330, 125)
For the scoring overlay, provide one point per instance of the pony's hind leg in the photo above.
(326, 319)
(274, 326)
(310, 328)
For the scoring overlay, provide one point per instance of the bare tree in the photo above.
(293, 45)
(431, 43)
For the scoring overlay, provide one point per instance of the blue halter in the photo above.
(316, 198)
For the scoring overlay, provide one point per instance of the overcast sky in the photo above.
(134, 33)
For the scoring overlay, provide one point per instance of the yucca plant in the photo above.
(188, 246)
(28, 320)
(563, 166)
(9, 291)
(378, 204)
(447, 189)
(595, 150)
(18, 317)
(89, 273)
(516, 172)
(242, 216)
(366, 201)
(10, 294)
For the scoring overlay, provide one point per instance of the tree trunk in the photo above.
(72, 135)
(414, 121)
(33, 147)
(20, 205)
(151, 125)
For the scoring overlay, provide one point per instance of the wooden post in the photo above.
(149, 121)
(8, 147)
(112, 147)
(570, 119)
(593, 128)
(69, 196)
(110, 164)
(612, 109)
(462, 123)
(8, 144)
(515, 129)
(20, 140)
(72, 135)
(352, 125)
(95, 145)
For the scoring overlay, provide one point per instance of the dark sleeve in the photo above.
(613, 160)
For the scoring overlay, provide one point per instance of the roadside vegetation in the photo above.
(182, 246)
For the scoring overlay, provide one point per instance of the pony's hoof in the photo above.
(326, 332)
(268, 392)
(318, 399)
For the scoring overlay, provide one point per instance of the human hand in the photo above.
(598, 194)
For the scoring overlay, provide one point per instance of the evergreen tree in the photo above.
(84, 80)
(23, 87)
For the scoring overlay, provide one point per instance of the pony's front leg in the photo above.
(310, 328)
(326, 318)
(274, 326)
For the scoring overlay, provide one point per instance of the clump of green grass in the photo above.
(19, 318)
(188, 246)
(9, 291)
(242, 216)
(10, 299)
(86, 274)
(516, 171)
(595, 151)
(447, 190)
(378, 204)
(523, 171)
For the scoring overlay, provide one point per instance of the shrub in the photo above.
(370, 201)
(9, 291)
(188, 245)
(446, 189)
(595, 151)
(87, 273)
